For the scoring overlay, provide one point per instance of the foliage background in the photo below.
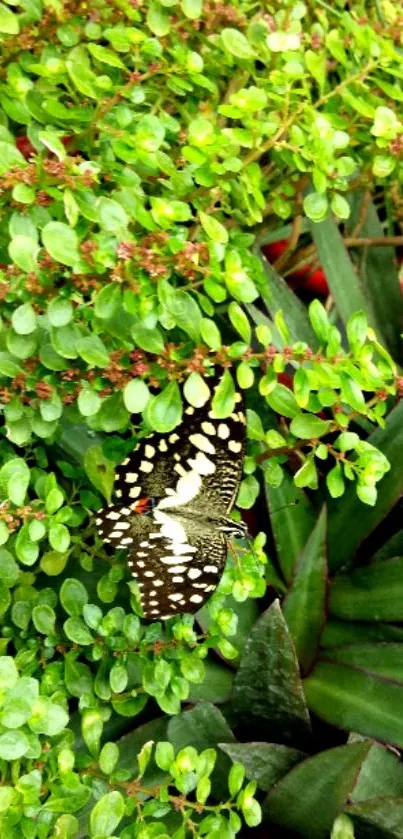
(147, 153)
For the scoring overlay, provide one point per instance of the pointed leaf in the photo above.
(357, 701)
(292, 519)
(310, 797)
(373, 593)
(265, 763)
(267, 688)
(304, 606)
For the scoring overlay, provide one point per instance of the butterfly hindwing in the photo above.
(175, 576)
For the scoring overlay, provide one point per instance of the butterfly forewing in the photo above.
(173, 494)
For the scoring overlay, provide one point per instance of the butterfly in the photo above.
(174, 495)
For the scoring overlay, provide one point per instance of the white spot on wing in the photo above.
(194, 573)
(235, 446)
(170, 527)
(190, 410)
(210, 569)
(178, 579)
(175, 596)
(202, 464)
(163, 446)
(119, 493)
(196, 598)
(177, 569)
(146, 466)
(223, 431)
(171, 560)
(131, 477)
(113, 516)
(208, 428)
(203, 443)
(134, 492)
(173, 438)
(149, 451)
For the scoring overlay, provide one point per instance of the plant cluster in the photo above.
(148, 152)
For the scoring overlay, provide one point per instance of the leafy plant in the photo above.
(148, 153)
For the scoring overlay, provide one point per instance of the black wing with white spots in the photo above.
(160, 459)
(174, 494)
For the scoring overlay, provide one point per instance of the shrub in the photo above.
(147, 154)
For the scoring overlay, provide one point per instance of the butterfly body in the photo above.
(174, 495)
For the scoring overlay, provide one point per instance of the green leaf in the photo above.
(61, 242)
(24, 319)
(77, 676)
(9, 154)
(296, 803)
(66, 800)
(164, 412)
(381, 775)
(77, 631)
(223, 403)
(13, 744)
(265, 763)
(283, 402)
(380, 817)
(93, 351)
(99, 470)
(210, 333)
(196, 390)
(107, 814)
(379, 278)
(204, 727)
(267, 686)
(371, 593)
(108, 301)
(379, 659)
(23, 252)
(111, 216)
(316, 206)
(308, 426)
(88, 402)
(8, 365)
(344, 283)
(91, 727)
(14, 478)
(304, 606)
(349, 521)
(59, 537)
(44, 619)
(73, 596)
(108, 758)
(185, 312)
(213, 228)
(192, 9)
(9, 23)
(150, 340)
(8, 672)
(239, 321)
(60, 312)
(105, 56)
(136, 396)
(237, 44)
(355, 700)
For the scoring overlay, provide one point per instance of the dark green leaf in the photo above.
(297, 802)
(99, 470)
(267, 688)
(292, 520)
(357, 701)
(372, 593)
(265, 763)
(304, 606)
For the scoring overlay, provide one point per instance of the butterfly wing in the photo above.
(212, 447)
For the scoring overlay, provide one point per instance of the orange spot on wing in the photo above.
(142, 505)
